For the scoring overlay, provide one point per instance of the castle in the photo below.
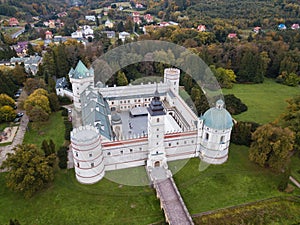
(141, 125)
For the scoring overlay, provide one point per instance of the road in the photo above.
(15, 35)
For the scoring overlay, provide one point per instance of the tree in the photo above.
(19, 74)
(28, 170)
(6, 100)
(7, 113)
(32, 84)
(37, 105)
(121, 79)
(291, 119)
(54, 103)
(62, 155)
(242, 132)
(234, 105)
(225, 77)
(272, 147)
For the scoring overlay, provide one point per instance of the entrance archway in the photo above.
(157, 164)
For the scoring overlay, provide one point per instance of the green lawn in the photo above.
(265, 101)
(68, 202)
(235, 182)
(52, 129)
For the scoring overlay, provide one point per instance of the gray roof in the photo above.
(95, 111)
(61, 83)
(217, 117)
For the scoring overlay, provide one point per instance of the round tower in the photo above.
(87, 154)
(215, 137)
(171, 77)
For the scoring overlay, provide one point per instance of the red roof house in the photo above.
(13, 22)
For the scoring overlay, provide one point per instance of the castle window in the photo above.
(131, 150)
(121, 107)
(157, 120)
(112, 103)
(108, 153)
(177, 143)
(192, 141)
(206, 136)
(157, 129)
(139, 100)
(141, 149)
(92, 165)
(76, 153)
(184, 142)
(121, 102)
(128, 101)
(157, 136)
(222, 139)
(121, 151)
(156, 143)
(175, 83)
(78, 165)
(90, 155)
(170, 144)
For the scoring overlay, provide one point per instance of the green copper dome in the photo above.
(218, 117)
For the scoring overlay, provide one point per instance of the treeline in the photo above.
(272, 54)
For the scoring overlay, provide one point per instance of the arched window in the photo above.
(157, 120)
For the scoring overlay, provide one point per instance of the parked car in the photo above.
(19, 115)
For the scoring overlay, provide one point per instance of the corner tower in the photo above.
(215, 138)
(87, 154)
(80, 78)
(171, 77)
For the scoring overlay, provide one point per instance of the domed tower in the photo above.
(116, 123)
(171, 77)
(80, 78)
(215, 139)
(87, 154)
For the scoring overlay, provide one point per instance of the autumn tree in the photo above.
(28, 170)
(6, 100)
(291, 119)
(32, 84)
(225, 77)
(7, 113)
(37, 105)
(272, 146)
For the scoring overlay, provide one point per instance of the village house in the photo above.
(13, 22)
(201, 28)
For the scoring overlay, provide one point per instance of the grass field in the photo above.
(265, 101)
(52, 129)
(235, 182)
(68, 202)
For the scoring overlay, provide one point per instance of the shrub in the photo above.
(234, 105)
(242, 131)
(62, 155)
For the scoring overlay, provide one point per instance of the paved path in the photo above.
(17, 140)
(175, 210)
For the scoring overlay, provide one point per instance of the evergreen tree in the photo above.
(121, 79)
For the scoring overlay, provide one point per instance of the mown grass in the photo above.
(265, 101)
(235, 182)
(52, 129)
(69, 202)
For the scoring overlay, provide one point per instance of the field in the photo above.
(52, 129)
(68, 202)
(265, 101)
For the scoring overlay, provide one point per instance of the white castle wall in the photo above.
(214, 145)
(87, 154)
(78, 86)
(125, 154)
